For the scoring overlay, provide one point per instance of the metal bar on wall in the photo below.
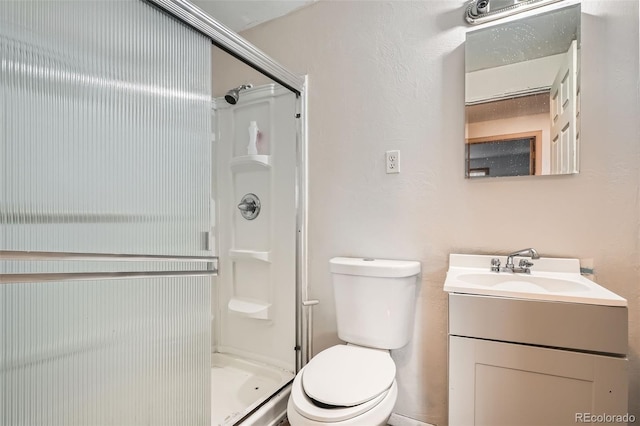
(54, 255)
(81, 276)
(211, 270)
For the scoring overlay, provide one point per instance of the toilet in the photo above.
(354, 383)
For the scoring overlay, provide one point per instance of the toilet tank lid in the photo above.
(369, 267)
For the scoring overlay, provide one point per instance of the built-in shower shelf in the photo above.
(264, 256)
(249, 308)
(250, 162)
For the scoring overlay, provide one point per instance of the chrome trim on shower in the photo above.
(231, 42)
(82, 276)
(302, 189)
(309, 341)
(98, 257)
(211, 266)
(479, 11)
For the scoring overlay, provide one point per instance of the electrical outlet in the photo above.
(393, 161)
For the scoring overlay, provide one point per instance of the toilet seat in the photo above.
(348, 375)
(309, 410)
(350, 379)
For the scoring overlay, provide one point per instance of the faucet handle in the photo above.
(524, 263)
(495, 265)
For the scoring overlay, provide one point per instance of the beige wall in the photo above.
(390, 75)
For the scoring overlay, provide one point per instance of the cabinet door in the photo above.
(494, 383)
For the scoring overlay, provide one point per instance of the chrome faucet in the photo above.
(523, 267)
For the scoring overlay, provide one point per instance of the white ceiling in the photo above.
(240, 15)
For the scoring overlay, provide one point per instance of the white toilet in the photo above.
(354, 384)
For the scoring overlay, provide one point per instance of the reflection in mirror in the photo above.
(504, 155)
(522, 96)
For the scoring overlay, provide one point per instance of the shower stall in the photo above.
(259, 191)
(254, 294)
(152, 238)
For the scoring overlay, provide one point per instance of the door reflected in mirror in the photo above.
(504, 155)
(522, 96)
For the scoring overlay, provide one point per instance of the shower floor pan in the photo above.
(239, 385)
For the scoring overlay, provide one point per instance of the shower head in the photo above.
(233, 95)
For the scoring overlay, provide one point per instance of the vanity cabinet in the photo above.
(529, 362)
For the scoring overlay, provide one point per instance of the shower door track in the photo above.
(210, 261)
(230, 42)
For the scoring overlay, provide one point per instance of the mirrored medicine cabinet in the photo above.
(522, 96)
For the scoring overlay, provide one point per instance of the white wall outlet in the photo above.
(393, 161)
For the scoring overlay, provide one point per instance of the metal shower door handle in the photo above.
(249, 206)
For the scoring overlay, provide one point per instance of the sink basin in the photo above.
(551, 279)
(522, 282)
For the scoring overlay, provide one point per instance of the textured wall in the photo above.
(390, 75)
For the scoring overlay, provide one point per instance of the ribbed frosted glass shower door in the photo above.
(105, 171)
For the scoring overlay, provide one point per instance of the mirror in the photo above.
(522, 96)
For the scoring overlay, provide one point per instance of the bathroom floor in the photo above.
(238, 385)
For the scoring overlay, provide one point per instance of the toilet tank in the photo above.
(375, 300)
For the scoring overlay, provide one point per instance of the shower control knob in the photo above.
(249, 206)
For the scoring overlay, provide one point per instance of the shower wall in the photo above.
(255, 291)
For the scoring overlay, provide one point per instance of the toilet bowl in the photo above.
(354, 383)
(344, 385)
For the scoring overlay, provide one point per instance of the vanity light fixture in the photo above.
(481, 11)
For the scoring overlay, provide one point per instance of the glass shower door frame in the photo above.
(235, 45)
